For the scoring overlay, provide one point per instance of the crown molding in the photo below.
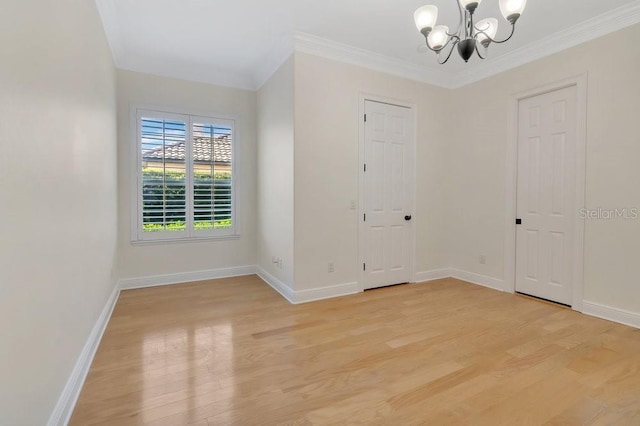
(318, 46)
(614, 20)
(273, 61)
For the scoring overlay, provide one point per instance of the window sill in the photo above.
(185, 240)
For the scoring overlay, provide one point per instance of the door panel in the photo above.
(388, 189)
(377, 191)
(377, 249)
(546, 190)
(397, 247)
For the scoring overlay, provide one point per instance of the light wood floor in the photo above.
(233, 352)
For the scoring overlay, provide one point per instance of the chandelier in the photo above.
(469, 34)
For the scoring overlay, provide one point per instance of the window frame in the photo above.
(138, 236)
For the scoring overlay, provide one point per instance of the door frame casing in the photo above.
(362, 99)
(580, 82)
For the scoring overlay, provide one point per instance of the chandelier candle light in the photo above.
(469, 34)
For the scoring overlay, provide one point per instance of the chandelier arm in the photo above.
(460, 20)
(513, 30)
(429, 46)
(453, 46)
(478, 52)
(451, 38)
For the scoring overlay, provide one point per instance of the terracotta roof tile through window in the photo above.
(201, 150)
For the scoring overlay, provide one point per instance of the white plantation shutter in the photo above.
(164, 174)
(185, 187)
(213, 171)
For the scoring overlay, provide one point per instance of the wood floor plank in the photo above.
(233, 352)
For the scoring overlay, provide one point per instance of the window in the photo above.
(185, 171)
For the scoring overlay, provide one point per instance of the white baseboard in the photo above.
(276, 284)
(611, 314)
(470, 277)
(67, 401)
(311, 295)
(185, 277)
(436, 274)
(483, 280)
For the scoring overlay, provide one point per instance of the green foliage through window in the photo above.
(164, 200)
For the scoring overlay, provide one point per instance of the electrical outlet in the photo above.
(483, 259)
(330, 268)
(277, 262)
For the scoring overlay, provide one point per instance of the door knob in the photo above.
(407, 218)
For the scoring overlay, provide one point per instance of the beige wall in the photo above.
(136, 89)
(477, 164)
(58, 189)
(327, 96)
(275, 173)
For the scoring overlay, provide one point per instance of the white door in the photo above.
(546, 195)
(388, 194)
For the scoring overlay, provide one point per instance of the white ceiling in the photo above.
(240, 43)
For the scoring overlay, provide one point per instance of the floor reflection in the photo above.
(185, 370)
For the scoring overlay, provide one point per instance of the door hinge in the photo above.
(364, 266)
(365, 118)
(365, 167)
(518, 221)
(365, 217)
